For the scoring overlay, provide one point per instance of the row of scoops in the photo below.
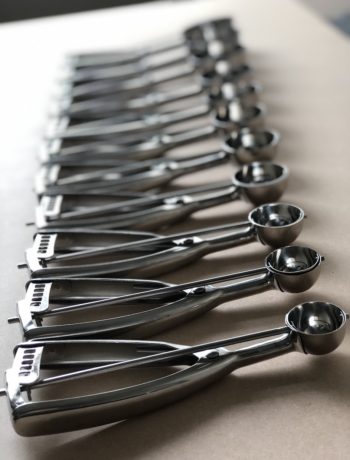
(125, 126)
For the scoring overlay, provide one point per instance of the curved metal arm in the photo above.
(188, 137)
(153, 353)
(59, 415)
(206, 297)
(158, 315)
(132, 201)
(104, 241)
(160, 257)
(122, 58)
(199, 162)
(163, 211)
(122, 73)
(95, 129)
(245, 234)
(231, 194)
(108, 153)
(137, 176)
(146, 219)
(133, 86)
(102, 107)
(163, 260)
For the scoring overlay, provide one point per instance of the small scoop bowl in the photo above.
(262, 182)
(294, 268)
(220, 27)
(247, 92)
(277, 224)
(249, 145)
(228, 117)
(320, 326)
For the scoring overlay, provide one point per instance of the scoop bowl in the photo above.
(277, 224)
(250, 145)
(320, 326)
(262, 182)
(294, 268)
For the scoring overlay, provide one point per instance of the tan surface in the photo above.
(292, 407)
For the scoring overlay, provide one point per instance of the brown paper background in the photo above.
(292, 407)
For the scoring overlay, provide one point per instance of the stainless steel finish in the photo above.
(111, 127)
(289, 266)
(112, 80)
(137, 86)
(197, 54)
(115, 111)
(221, 72)
(247, 145)
(95, 252)
(315, 322)
(289, 269)
(246, 91)
(260, 182)
(277, 224)
(122, 73)
(250, 145)
(139, 176)
(194, 37)
(152, 146)
(88, 172)
(103, 107)
(314, 328)
(213, 49)
(225, 117)
(210, 72)
(60, 124)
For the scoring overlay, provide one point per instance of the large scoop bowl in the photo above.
(320, 326)
(277, 224)
(294, 268)
(262, 182)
